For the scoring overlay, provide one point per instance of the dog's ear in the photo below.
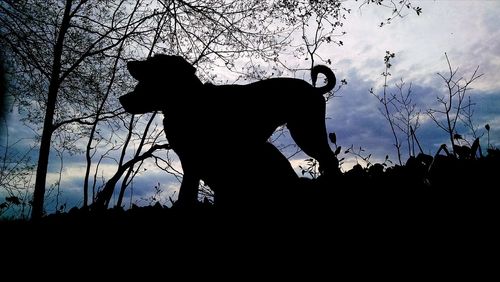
(182, 64)
(173, 63)
(159, 65)
(138, 69)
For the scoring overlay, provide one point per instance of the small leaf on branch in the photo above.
(333, 137)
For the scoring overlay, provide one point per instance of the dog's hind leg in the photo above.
(188, 193)
(309, 132)
(313, 140)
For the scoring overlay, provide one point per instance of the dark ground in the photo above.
(423, 187)
(449, 206)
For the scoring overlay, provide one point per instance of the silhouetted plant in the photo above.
(9, 202)
(387, 101)
(359, 153)
(467, 119)
(400, 111)
(455, 104)
(487, 127)
(16, 171)
(206, 195)
(155, 198)
(407, 116)
(311, 168)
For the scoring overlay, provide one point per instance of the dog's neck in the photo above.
(193, 82)
(192, 87)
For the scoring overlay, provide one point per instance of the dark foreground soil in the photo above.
(423, 206)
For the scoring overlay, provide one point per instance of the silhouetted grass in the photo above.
(424, 186)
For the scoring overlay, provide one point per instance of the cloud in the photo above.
(466, 30)
(357, 120)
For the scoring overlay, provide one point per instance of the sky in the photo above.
(467, 31)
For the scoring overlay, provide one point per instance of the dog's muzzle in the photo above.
(132, 103)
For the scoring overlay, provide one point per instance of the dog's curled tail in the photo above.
(331, 80)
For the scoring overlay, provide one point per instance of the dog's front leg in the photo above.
(188, 193)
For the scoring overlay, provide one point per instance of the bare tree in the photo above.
(400, 111)
(406, 115)
(387, 101)
(455, 104)
(63, 46)
(16, 170)
(101, 107)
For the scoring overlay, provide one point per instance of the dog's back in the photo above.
(253, 110)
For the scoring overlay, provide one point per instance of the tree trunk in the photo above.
(88, 160)
(124, 186)
(104, 197)
(131, 168)
(48, 127)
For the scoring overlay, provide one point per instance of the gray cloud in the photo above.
(357, 120)
(467, 30)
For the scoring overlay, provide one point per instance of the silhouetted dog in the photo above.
(218, 130)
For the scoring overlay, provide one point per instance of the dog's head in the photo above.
(158, 77)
